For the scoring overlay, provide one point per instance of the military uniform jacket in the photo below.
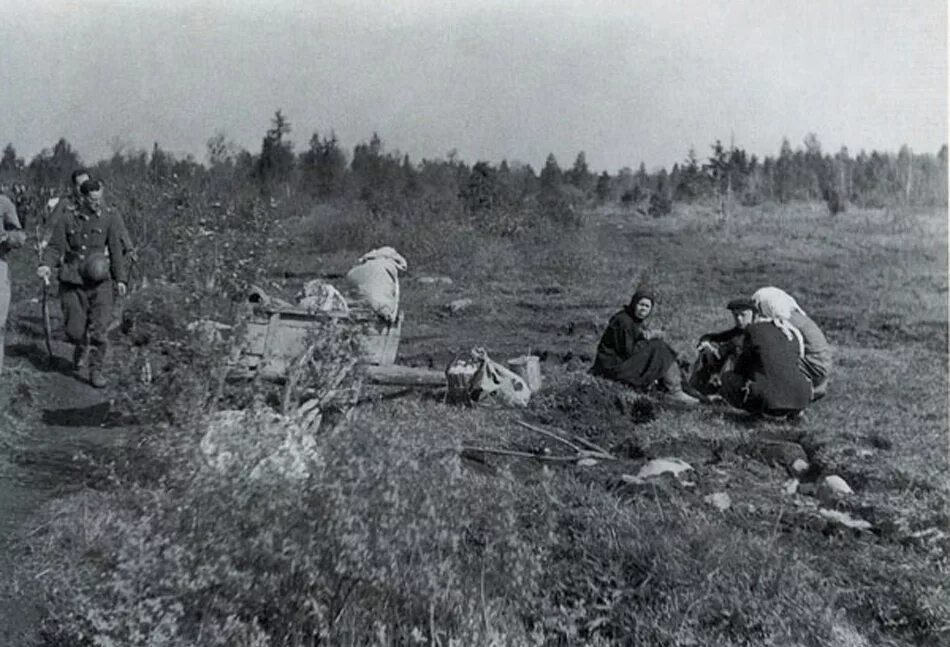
(68, 203)
(80, 232)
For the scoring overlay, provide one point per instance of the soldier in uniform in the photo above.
(72, 202)
(87, 275)
(11, 237)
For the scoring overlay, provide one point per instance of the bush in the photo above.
(836, 201)
(660, 205)
(385, 537)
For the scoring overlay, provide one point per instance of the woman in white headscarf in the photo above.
(816, 362)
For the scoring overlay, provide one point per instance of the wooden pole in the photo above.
(529, 368)
(405, 376)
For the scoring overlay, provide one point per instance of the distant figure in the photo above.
(717, 352)
(11, 237)
(766, 378)
(78, 247)
(634, 354)
(817, 361)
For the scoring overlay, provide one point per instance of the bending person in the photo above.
(817, 361)
(766, 378)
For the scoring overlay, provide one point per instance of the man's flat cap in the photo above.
(743, 303)
(90, 186)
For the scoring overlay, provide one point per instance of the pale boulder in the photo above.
(656, 467)
(833, 488)
(719, 500)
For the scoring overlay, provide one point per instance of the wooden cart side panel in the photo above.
(271, 347)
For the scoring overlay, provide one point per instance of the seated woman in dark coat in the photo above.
(631, 353)
(766, 377)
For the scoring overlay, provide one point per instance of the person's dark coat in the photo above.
(624, 354)
(706, 373)
(768, 365)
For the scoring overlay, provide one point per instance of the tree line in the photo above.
(385, 180)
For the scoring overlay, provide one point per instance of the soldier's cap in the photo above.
(742, 303)
(90, 186)
(78, 173)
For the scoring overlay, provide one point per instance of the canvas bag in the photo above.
(376, 279)
(496, 384)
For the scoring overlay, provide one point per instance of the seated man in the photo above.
(717, 351)
(634, 354)
(766, 378)
(817, 361)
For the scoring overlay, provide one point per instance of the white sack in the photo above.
(376, 279)
(496, 384)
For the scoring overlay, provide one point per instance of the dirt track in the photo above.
(73, 419)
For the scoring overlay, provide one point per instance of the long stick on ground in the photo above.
(590, 446)
(510, 452)
(549, 434)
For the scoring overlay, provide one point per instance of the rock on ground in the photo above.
(833, 487)
(844, 519)
(719, 500)
(431, 280)
(659, 466)
(799, 466)
(778, 452)
(459, 305)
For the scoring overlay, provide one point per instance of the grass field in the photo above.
(395, 539)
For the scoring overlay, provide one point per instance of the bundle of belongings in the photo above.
(375, 279)
(482, 380)
(319, 296)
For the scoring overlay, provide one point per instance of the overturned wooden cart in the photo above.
(279, 333)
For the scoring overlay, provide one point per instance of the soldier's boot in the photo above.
(80, 356)
(97, 376)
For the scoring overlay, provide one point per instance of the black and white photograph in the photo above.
(488, 323)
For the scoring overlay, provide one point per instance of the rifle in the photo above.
(47, 327)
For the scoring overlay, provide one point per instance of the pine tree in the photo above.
(551, 176)
(602, 191)
(277, 159)
(10, 165)
(579, 175)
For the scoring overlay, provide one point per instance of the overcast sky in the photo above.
(623, 81)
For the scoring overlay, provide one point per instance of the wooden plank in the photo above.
(405, 375)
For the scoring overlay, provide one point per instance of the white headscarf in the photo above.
(775, 303)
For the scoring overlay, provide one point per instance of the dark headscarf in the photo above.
(642, 292)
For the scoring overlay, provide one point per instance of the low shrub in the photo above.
(386, 541)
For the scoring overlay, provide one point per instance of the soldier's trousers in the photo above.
(87, 310)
